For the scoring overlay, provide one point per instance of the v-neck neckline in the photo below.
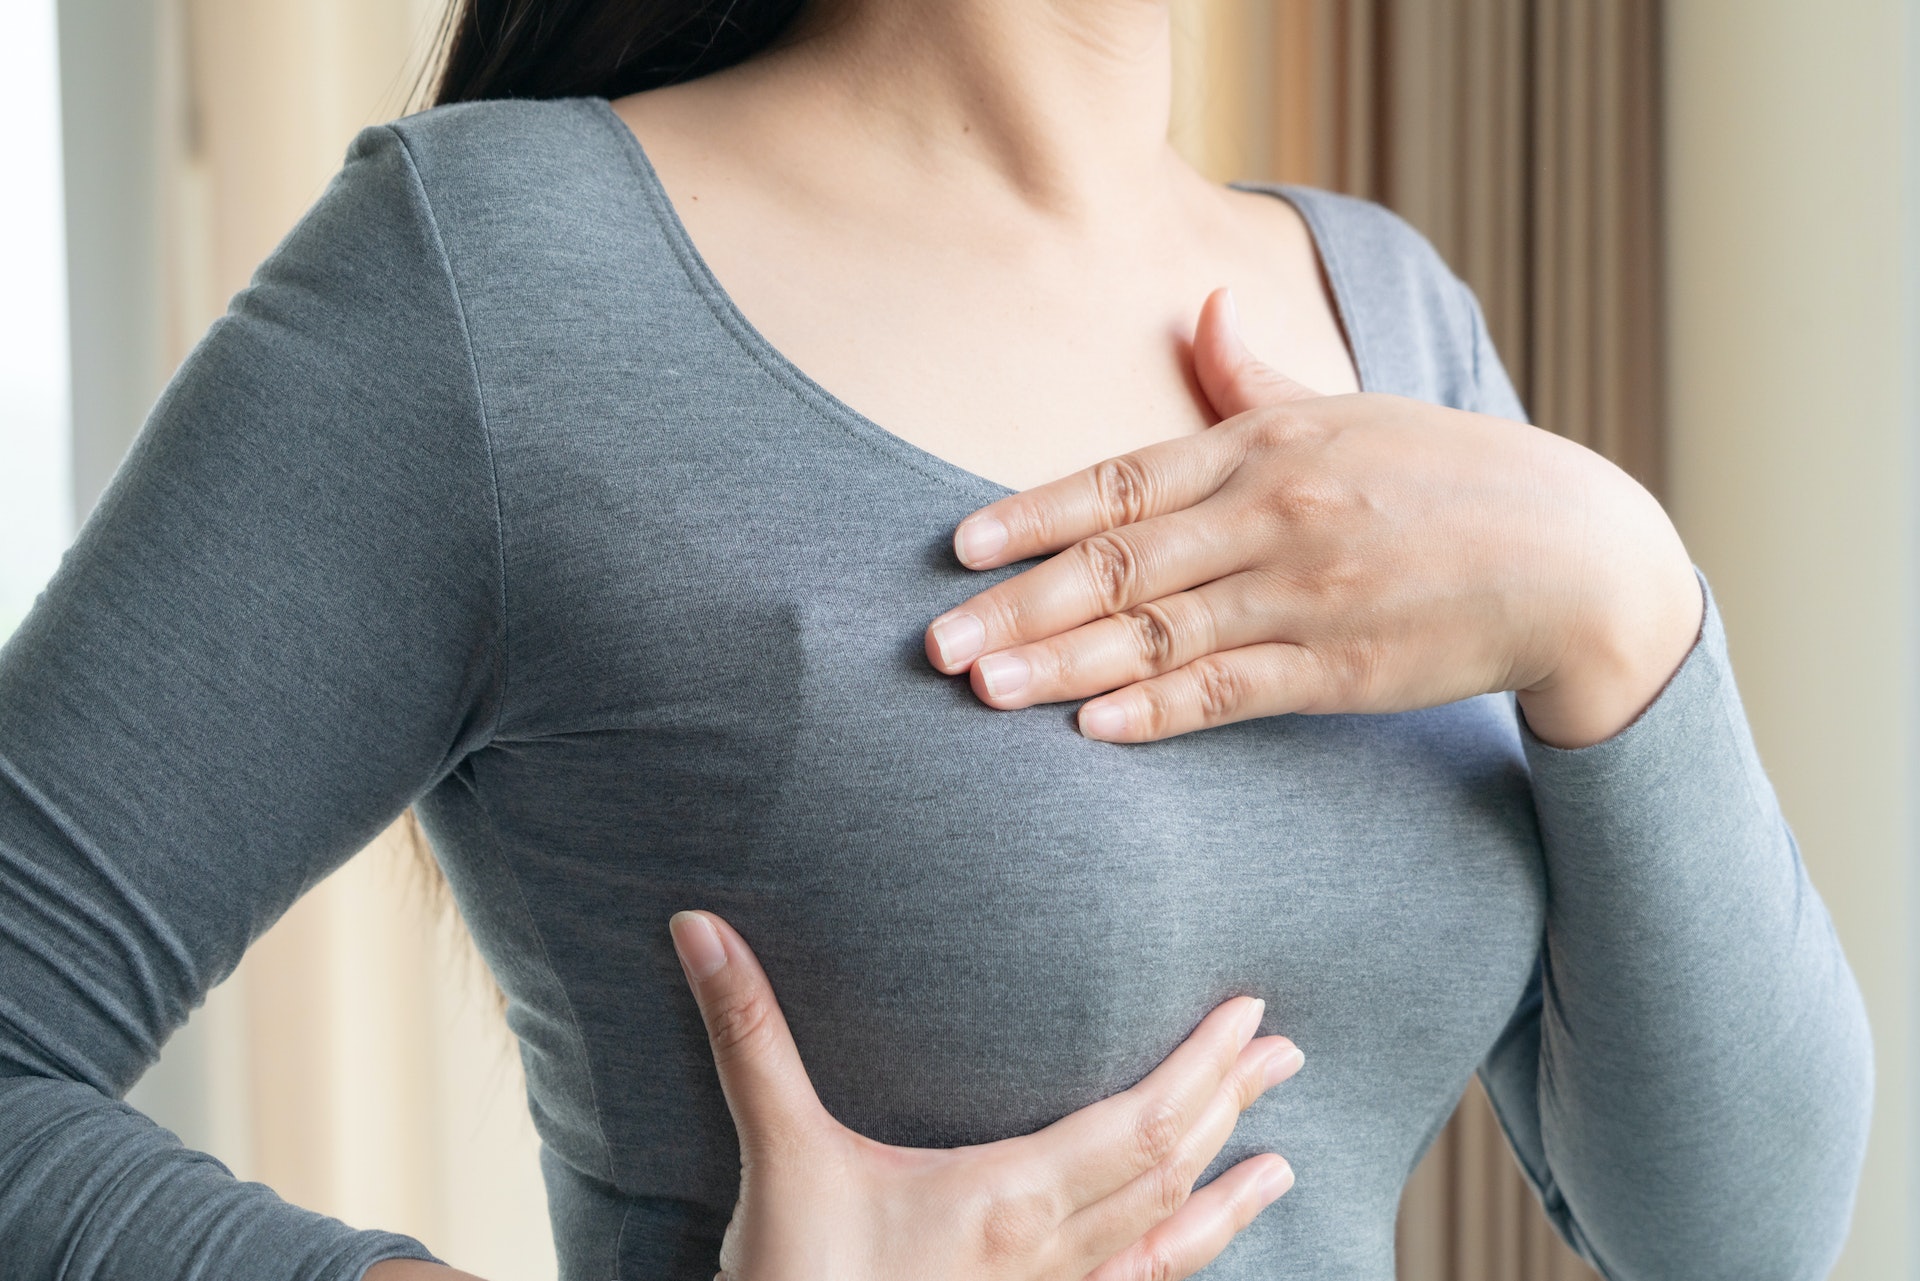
(824, 402)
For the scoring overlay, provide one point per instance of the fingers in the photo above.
(1135, 644)
(1241, 684)
(1100, 575)
(1162, 478)
(767, 1088)
(1104, 1227)
(1167, 476)
(1199, 1230)
(1106, 1145)
(1110, 522)
(1234, 379)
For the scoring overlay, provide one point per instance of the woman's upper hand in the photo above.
(1105, 1193)
(1363, 553)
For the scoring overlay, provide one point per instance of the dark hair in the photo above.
(596, 48)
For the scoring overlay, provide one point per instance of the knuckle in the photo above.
(1156, 710)
(1350, 674)
(1154, 635)
(1013, 1225)
(1004, 610)
(1037, 524)
(1113, 570)
(1308, 499)
(1169, 1187)
(739, 1025)
(1122, 488)
(1151, 1263)
(1269, 427)
(1156, 1128)
(1064, 666)
(1219, 687)
(1282, 428)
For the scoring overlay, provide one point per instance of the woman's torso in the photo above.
(716, 579)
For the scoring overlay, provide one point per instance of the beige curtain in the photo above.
(1522, 136)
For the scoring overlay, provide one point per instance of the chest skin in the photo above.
(1019, 341)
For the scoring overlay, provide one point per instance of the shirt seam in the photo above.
(486, 430)
(499, 526)
(552, 975)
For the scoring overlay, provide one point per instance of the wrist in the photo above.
(1642, 618)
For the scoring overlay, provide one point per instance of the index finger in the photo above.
(1167, 476)
(1106, 1145)
(765, 1084)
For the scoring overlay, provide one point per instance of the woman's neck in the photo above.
(1061, 103)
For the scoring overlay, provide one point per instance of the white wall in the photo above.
(109, 72)
(36, 511)
(1793, 345)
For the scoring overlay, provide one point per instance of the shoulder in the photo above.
(530, 153)
(1374, 248)
(1415, 326)
(491, 167)
(537, 207)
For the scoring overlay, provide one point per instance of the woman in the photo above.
(538, 481)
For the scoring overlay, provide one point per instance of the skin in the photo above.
(962, 218)
(1357, 553)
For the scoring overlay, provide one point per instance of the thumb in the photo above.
(767, 1088)
(1235, 379)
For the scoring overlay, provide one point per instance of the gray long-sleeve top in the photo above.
(484, 498)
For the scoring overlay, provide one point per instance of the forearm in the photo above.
(91, 1188)
(1704, 1074)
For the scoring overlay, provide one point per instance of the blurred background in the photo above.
(1694, 224)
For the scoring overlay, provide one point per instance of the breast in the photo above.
(976, 921)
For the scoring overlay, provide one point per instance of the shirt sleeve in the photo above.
(1688, 1080)
(283, 624)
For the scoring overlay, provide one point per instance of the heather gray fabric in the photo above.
(483, 497)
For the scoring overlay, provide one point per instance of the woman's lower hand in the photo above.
(1105, 1193)
(1362, 553)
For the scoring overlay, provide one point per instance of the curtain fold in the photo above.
(1523, 138)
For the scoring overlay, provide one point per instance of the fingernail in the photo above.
(958, 637)
(1103, 720)
(1250, 1021)
(1230, 310)
(978, 538)
(1275, 1180)
(1281, 1066)
(698, 944)
(1003, 674)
